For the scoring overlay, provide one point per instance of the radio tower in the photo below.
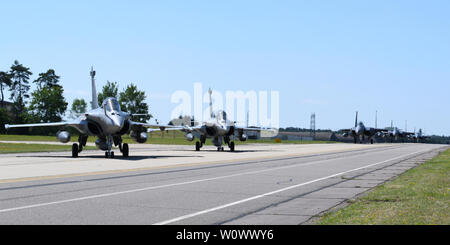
(313, 125)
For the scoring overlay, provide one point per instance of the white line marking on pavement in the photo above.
(193, 182)
(273, 192)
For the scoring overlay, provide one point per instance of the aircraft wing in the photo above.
(151, 127)
(265, 132)
(190, 129)
(55, 124)
(409, 133)
(248, 129)
(381, 130)
(345, 130)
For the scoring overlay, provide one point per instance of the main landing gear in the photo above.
(77, 148)
(231, 145)
(125, 150)
(199, 145)
(82, 139)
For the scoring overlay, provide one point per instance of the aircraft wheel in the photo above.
(197, 146)
(231, 146)
(109, 154)
(371, 141)
(125, 150)
(75, 150)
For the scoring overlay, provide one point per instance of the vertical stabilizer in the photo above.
(211, 113)
(247, 120)
(94, 102)
(376, 119)
(356, 119)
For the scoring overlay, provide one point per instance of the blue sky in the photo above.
(327, 57)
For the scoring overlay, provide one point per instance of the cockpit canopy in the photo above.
(111, 104)
(221, 116)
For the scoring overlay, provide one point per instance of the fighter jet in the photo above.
(108, 123)
(219, 129)
(359, 132)
(419, 137)
(397, 134)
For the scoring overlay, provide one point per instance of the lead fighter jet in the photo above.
(108, 123)
(360, 131)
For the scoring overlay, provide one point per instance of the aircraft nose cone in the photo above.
(118, 122)
(359, 130)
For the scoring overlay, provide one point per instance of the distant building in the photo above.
(8, 106)
(181, 121)
(253, 135)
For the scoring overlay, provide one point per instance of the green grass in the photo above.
(419, 196)
(8, 137)
(22, 148)
(170, 138)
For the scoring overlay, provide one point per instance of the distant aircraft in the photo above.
(359, 131)
(219, 129)
(419, 137)
(108, 123)
(397, 134)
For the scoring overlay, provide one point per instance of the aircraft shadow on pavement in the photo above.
(228, 151)
(118, 157)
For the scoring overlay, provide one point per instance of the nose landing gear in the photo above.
(109, 154)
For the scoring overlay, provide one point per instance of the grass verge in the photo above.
(417, 197)
(22, 148)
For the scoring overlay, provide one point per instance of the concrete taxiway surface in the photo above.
(160, 184)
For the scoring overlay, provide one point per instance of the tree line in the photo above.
(47, 103)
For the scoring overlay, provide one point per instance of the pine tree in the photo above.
(133, 101)
(5, 81)
(48, 79)
(19, 88)
(48, 103)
